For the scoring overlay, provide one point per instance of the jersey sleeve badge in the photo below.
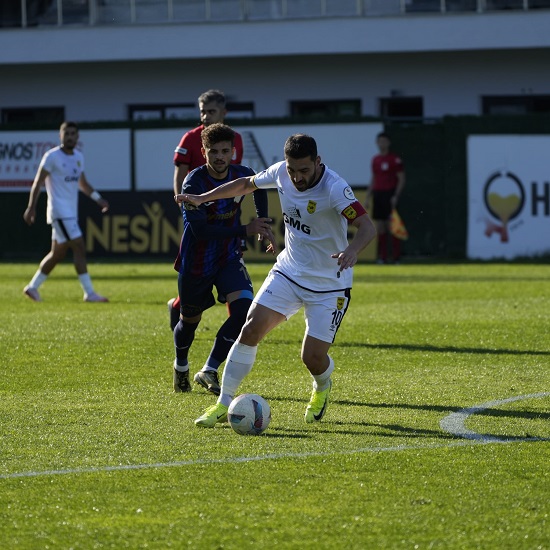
(348, 193)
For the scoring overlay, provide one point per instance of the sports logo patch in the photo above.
(350, 213)
(311, 207)
(340, 303)
(293, 212)
(348, 193)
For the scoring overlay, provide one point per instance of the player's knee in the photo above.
(58, 253)
(190, 313)
(238, 310)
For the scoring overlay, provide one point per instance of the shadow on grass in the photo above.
(497, 413)
(380, 430)
(392, 430)
(286, 433)
(421, 348)
(444, 349)
(397, 430)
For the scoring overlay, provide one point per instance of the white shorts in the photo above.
(66, 229)
(323, 311)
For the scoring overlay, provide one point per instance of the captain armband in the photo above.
(354, 210)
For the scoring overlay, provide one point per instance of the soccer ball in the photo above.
(249, 414)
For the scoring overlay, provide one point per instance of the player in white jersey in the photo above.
(313, 271)
(61, 170)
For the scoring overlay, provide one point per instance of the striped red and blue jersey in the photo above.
(211, 232)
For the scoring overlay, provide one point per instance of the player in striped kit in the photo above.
(210, 256)
(188, 156)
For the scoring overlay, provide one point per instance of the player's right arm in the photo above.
(40, 179)
(235, 188)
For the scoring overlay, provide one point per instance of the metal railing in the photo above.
(121, 12)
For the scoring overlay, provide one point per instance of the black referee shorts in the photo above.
(381, 207)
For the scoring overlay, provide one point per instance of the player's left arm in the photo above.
(366, 231)
(89, 191)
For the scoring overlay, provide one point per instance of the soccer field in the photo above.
(437, 434)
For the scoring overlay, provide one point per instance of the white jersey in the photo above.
(62, 182)
(314, 228)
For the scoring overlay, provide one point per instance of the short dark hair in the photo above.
(383, 135)
(213, 95)
(68, 124)
(299, 146)
(215, 133)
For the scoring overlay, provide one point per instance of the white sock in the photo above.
(86, 283)
(322, 381)
(237, 365)
(38, 279)
(181, 368)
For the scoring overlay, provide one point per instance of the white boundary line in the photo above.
(454, 424)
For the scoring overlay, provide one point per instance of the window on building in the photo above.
(33, 115)
(243, 109)
(185, 111)
(422, 5)
(162, 112)
(515, 105)
(504, 5)
(322, 109)
(401, 107)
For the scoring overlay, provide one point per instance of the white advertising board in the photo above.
(345, 148)
(508, 196)
(106, 158)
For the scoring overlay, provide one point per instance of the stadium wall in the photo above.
(143, 220)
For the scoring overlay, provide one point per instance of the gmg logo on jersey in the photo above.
(297, 224)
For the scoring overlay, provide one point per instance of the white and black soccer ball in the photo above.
(249, 414)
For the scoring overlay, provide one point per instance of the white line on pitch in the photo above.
(454, 423)
(242, 459)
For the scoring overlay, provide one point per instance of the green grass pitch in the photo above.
(98, 452)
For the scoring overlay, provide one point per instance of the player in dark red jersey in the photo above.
(385, 188)
(210, 256)
(188, 156)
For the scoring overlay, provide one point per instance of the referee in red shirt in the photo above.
(385, 188)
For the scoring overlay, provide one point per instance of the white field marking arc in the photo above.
(468, 441)
(454, 423)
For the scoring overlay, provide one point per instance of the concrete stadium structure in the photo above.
(114, 60)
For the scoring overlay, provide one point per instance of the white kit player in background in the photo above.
(313, 270)
(61, 170)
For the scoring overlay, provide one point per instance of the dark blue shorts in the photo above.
(196, 293)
